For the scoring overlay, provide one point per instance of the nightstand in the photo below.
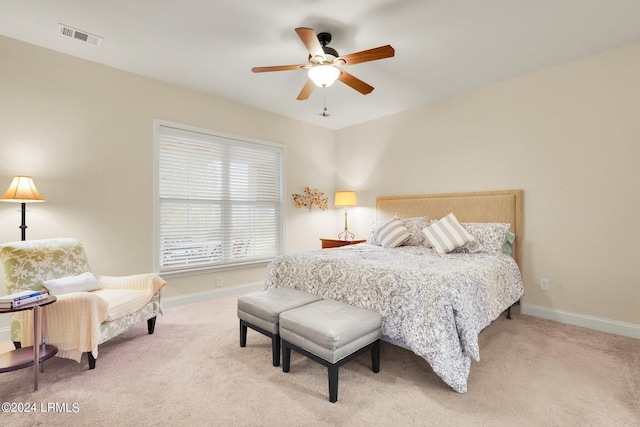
(336, 243)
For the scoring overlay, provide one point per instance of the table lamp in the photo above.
(346, 199)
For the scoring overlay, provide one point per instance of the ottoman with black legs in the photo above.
(331, 333)
(261, 312)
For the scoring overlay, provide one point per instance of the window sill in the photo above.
(212, 269)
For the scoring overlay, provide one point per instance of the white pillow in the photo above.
(373, 239)
(392, 233)
(84, 282)
(447, 234)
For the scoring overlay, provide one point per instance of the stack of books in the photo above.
(22, 298)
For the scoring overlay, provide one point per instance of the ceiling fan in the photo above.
(325, 64)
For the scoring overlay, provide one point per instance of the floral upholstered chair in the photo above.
(90, 309)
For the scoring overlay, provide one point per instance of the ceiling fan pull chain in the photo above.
(324, 101)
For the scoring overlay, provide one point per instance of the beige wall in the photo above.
(84, 131)
(568, 136)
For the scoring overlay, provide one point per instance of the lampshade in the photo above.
(346, 198)
(323, 75)
(22, 190)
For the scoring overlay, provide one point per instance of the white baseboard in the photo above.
(583, 320)
(210, 294)
(5, 332)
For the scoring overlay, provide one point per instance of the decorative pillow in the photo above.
(507, 244)
(489, 237)
(447, 234)
(415, 226)
(373, 239)
(392, 233)
(84, 282)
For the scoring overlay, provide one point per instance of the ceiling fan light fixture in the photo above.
(324, 65)
(323, 75)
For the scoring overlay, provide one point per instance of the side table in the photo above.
(24, 357)
(336, 243)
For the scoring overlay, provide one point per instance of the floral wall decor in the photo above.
(310, 198)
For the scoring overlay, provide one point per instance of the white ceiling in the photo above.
(443, 47)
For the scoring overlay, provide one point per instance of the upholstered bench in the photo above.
(331, 333)
(261, 312)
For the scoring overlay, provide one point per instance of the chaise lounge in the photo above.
(90, 310)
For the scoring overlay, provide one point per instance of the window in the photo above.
(219, 200)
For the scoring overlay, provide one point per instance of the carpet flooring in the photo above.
(192, 372)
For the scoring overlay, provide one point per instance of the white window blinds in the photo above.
(219, 200)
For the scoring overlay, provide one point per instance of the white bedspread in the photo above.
(435, 305)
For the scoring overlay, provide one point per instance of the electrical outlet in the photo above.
(544, 284)
(219, 281)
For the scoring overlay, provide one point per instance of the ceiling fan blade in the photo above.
(305, 93)
(368, 55)
(278, 68)
(310, 40)
(355, 82)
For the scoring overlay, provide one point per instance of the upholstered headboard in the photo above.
(484, 206)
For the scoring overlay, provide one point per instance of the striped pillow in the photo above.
(392, 233)
(447, 234)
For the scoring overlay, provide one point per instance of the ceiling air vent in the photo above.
(83, 36)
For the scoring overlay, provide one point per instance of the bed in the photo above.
(431, 303)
